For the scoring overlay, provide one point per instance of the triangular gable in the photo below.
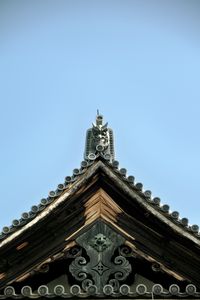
(84, 174)
(100, 203)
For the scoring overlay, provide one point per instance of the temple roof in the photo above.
(101, 212)
(99, 153)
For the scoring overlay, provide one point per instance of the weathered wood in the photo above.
(101, 194)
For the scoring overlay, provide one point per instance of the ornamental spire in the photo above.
(99, 140)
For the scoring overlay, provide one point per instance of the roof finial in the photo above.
(99, 120)
(99, 140)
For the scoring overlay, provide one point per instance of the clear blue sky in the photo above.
(138, 62)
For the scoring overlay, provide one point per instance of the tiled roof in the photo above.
(157, 290)
(122, 173)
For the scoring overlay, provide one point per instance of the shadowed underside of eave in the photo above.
(101, 207)
(83, 204)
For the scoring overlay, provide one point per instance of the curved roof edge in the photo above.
(130, 180)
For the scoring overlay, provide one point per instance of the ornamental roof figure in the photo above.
(99, 140)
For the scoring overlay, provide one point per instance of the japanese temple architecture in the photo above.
(100, 235)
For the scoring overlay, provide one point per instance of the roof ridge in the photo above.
(155, 202)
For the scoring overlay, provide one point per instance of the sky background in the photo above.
(138, 62)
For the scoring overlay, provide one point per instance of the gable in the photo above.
(99, 235)
(144, 246)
